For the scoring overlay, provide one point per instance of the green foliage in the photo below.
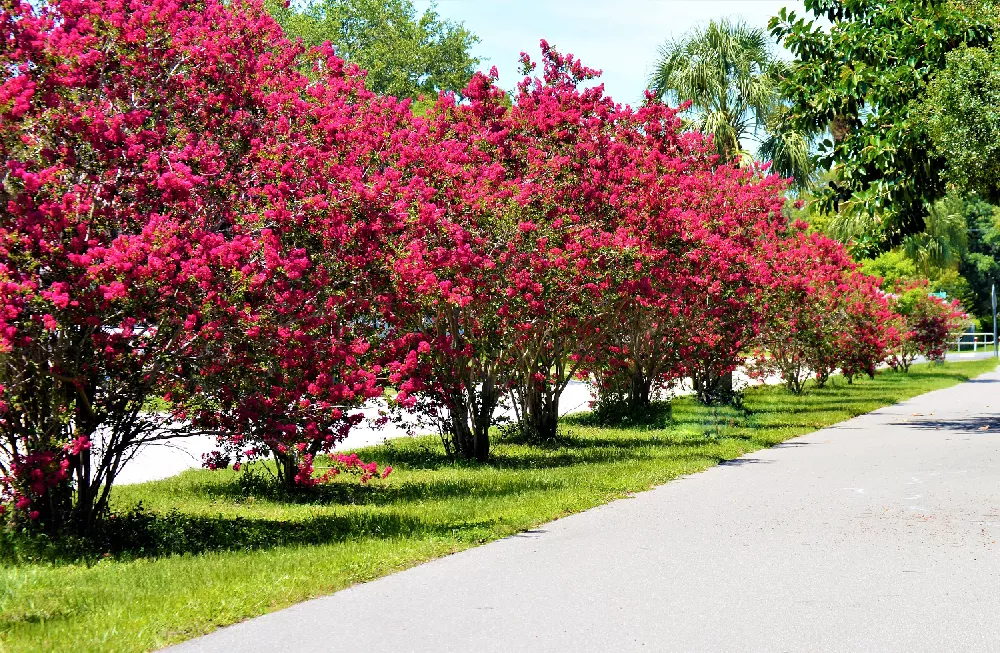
(959, 254)
(908, 301)
(405, 55)
(862, 78)
(962, 113)
(892, 266)
(956, 286)
(944, 240)
(273, 552)
(981, 263)
(730, 75)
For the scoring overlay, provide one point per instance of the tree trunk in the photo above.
(725, 387)
(714, 390)
(287, 469)
(541, 415)
(640, 390)
(469, 424)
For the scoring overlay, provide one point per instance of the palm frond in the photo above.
(730, 75)
(851, 222)
(790, 154)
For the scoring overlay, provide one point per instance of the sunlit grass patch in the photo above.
(212, 548)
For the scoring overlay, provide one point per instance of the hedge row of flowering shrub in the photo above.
(197, 210)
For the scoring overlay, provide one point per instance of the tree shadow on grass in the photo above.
(512, 455)
(141, 534)
(820, 406)
(351, 493)
(657, 415)
(576, 452)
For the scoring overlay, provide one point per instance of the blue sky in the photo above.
(620, 37)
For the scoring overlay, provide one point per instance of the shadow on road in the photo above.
(740, 462)
(980, 425)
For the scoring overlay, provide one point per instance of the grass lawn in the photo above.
(271, 552)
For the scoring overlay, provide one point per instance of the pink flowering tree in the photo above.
(929, 325)
(688, 306)
(323, 335)
(727, 269)
(448, 269)
(822, 315)
(699, 300)
(573, 249)
(800, 334)
(181, 220)
(513, 274)
(870, 331)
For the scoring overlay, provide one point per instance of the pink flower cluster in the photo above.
(823, 315)
(33, 475)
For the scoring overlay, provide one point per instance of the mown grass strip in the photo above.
(240, 549)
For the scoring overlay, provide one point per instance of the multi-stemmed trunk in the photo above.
(545, 368)
(640, 390)
(540, 411)
(470, 417)
(713, 387)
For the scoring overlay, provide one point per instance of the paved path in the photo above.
(878, 534)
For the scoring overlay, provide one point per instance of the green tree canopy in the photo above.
(981, 263)
(406, 55)
(730, 75)
(958, 252)
(861, 73)
(962, 109)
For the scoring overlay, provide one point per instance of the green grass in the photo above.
(272, 552)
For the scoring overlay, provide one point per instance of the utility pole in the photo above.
(996, 351)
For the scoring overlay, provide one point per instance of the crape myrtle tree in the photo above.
(821, 315)
(325, 338)
(697, 302)
(572, 246)
(448, 276)
(641, 352)
(871, 331)
(514, 272)
(929, 324)
(167, 229)
(726, 269)
(800, 336)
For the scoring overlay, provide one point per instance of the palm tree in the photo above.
(730, 75)
(944, 238)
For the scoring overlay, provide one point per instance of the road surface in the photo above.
(877, 534)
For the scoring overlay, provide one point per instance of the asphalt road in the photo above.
(878, 534)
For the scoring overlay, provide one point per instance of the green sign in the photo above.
(939, 295)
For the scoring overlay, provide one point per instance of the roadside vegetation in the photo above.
(253, 221)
